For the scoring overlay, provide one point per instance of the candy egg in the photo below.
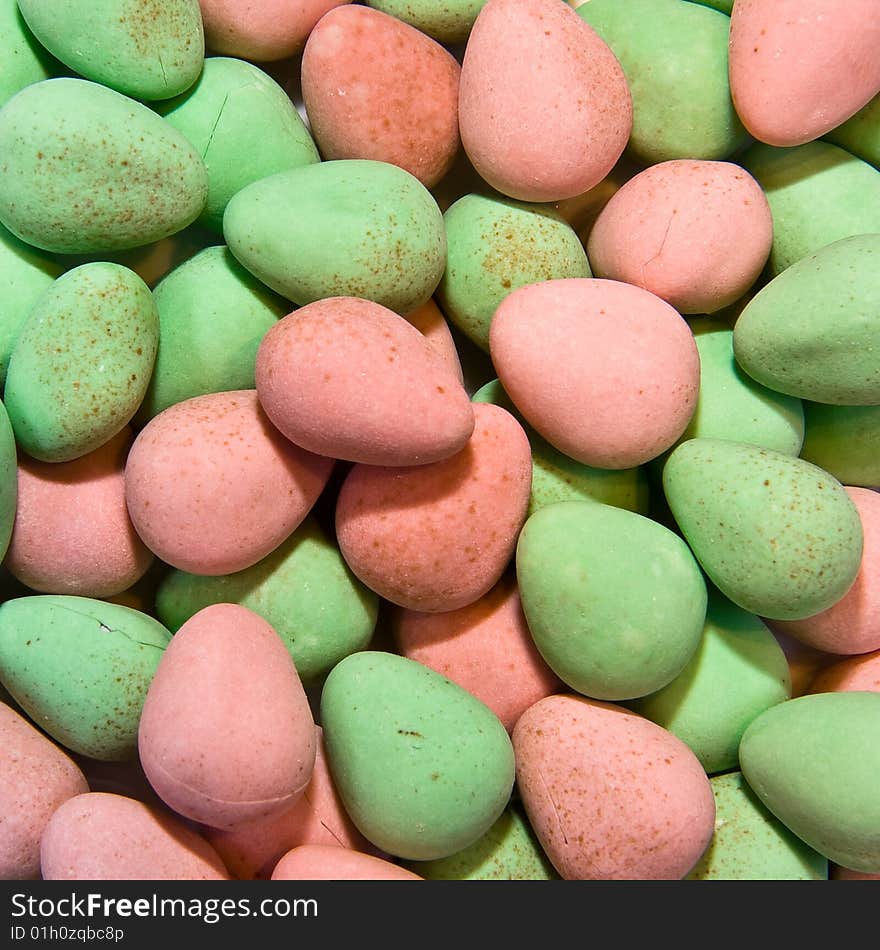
(8, 481)
(449, 22)
(25, 60)
(322, 862)
(845, 441)
(854, 673)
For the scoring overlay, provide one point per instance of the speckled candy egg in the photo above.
(101, 836)
(25, 60)
(437, 537)
(611, 796)
(204, 757)
(82, 362)
(322, 862)
(88, 170)
(430, 322)
(447, 22)
(798, 68)
(376, 87)
(72, 533)
(544, 107)
(212, 487)
(695, 233)
(613, 377)
(147, 49)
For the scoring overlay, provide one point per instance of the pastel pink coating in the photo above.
(611, 795)
(212, 486)
(799, 68)
(347, 378)
(839, 873)
(804, 662)
(856, 673)
(852, 625)
(485, 647)
(226, 733)
(696, 233)
(430, 322)
(36, 778)
(251, 850)
(607, 372)
(544, 107)
(261, 30)
(375, 87)
(72, 533)
(438, 537)
(318, 862)
(100, 836)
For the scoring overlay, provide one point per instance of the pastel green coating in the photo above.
(860, 134)
(304, 589)
(750, 843)
(82, 362)
(508, 851)
(8, 480)
(556, 477)
(676, 68)
(818, 193)
(845, 441)
(23, 59)
(777, 535)
(447, 22)
(25, 273)
(814, 762)
(812, 331)
(231, 102)
(347, 228)
(147, 49)
(738, 671)
(423, 768)
(723, 6)
(88, 170)
(615, 602)
(80, 668)
(213, 315)
(496, 245)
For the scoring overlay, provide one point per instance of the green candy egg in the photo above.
(860, 135)
(347, 228)
(818, 194)
(508, 851)
(232, 103)
(777, 535)
(148, 49)
(844, 440)
(724, 6)
(496, 245)
(24, 274)
(812, 331)
(80, 668)
(423, 768)
(814, 762)
(556, 477)
(23, 59)
(738, 671)
(750, 843)
(8, 480)
(615, 602)
(675, 61)
(212, 316)
(88, 170)
(304, 589)
(447, 22)
(82, 362)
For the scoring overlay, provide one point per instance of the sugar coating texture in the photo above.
(319, 862)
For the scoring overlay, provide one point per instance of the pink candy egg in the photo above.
(544, 107)
(318, 862)
(610, 795)
(485, 647)
(212, 487)
(437, 537)
(430, 322)
(696, 234)
(607, 372)
(36, 778)
(72, 533)
(226, 734)
(100, 836)
(799, 68)
(375, 87)
(855, 673)
(347, 378)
